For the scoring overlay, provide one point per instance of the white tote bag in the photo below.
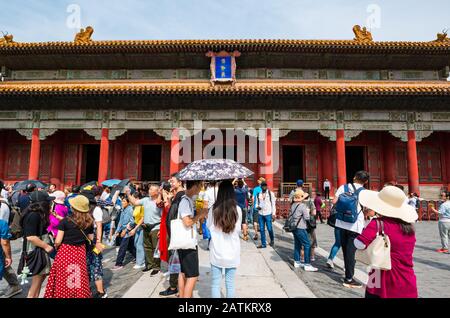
(182, 237)
(378, 254)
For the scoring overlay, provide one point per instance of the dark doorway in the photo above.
(292, 163)
(228, 152)
(355, 158)
(151, 163)
(91, 161)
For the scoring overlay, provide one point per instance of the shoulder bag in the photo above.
(182, 237)
(378, 254)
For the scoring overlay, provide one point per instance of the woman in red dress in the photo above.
(68, 276)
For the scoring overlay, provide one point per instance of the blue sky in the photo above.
(399, 20)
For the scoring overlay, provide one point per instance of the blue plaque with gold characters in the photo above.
(223, 67)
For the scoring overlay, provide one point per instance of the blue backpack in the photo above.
(347, 205)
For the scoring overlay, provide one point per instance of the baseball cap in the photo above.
(40, 196)
(299, 182)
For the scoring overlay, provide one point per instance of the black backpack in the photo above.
(15, 222)
(290, 225)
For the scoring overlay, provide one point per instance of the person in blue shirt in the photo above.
(5, 253)
(241, 192)
(24, 198)
(255, 215)
(123, 229)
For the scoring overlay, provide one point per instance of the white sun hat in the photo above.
(390, 202)
(59, 197)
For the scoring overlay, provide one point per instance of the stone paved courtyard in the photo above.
(270, 273)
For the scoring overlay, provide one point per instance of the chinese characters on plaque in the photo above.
(223, 66)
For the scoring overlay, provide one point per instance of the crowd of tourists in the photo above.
(65, 233)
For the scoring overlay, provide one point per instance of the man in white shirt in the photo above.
(350, 231)
(326, 189)
(266, 206)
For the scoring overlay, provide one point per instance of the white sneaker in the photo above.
(298, 264)
(138, 266)
(330, 263)
(310, 268)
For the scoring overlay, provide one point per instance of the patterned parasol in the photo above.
(214, 170)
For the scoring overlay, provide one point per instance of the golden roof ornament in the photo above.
(361, 34)
(84, 36)
(442, 37)
(6, 39)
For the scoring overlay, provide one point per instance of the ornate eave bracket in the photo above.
(112, 133)
(43, 133)
(403, 135)
(330, 134)
(348, 134)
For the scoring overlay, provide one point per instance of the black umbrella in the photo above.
(121, 186)
(23, 184)
(89, 185)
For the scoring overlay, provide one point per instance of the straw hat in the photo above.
(302, 195)
(59, 197)
(390, 202)
(80, 203)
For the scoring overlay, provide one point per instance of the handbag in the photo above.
(311, 224)
(378, 254)
(174, 263)
(182, 237)
(331, 221)
(36, 261)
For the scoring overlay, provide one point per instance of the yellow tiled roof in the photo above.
(250, 45)
(242, 87)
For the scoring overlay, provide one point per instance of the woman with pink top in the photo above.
(59, 212)
(395, 217)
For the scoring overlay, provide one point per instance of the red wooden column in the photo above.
(2, 154)
(389, 160)
(340, 157)
(33, 170)
(413, 167)
(268, 153)
(174, 151)
(57, 160)
(104, 156)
